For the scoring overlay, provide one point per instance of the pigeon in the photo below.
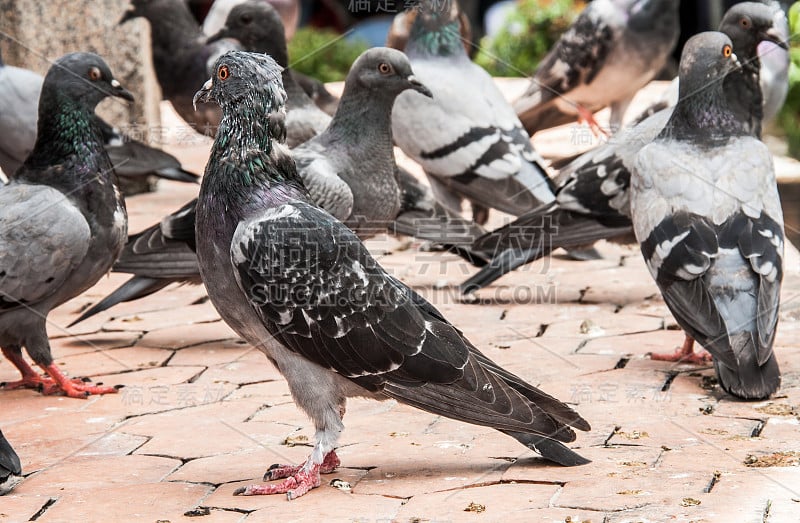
(592, 199)
(61, 213)
(706, 212)
(257, 26)
(19, 101)
(219, 14)
(10, 468)
(613, 49)
(181, 57)
(299, 285)
(775, 63)
(466, 138)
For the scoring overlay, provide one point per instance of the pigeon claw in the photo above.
(586, 116)
(684, 354)
(73, 388)
(276, 471)
(293, 486)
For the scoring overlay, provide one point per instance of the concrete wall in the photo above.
(36, 32)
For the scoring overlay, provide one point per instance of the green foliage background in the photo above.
(789, 117)
(309, 55)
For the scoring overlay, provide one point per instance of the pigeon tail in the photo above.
(133, 289)
(552, 450)
(749, 381)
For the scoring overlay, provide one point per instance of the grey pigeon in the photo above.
(288, 10)
(775, 63)
(706, 212)
(181, 57)
(592, 199)
(10, 468)
(257, 26)
(19, 101)
(62, 214)
(300, 286)
(467, 137)
(613, 49)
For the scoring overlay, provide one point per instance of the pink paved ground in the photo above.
(202, 413)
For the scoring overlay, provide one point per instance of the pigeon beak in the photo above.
(119, 91)
(417, 86)
(222, 33)
(130, 14)
(774, 35)
(204, 94)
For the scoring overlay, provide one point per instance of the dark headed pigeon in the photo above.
(299, 285)
(181, 57)
(613, 49)
(19, 102)
(62, 214)
(10, 468)
(592, 199)
(706, 211)
(467, 137)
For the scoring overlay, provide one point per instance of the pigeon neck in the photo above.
(295, 96)
(744, 93)
(704, 116)
(357, 112)
(276, 49)
(444, 39)
(171, 32)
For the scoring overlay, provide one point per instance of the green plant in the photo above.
(530, 31)
(323, 54)
(789, 117)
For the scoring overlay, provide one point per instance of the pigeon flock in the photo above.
(294, 185)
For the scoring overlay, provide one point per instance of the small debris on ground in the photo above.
(475, 507)
(690, 502)
(776, 459)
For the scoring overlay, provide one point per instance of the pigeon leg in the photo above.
(30, 378)
(276, 471)
(685, 354)
(586, 116)
(293, 486)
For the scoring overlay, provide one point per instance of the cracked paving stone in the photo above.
(111, 362)
(180, 336)
(186, 315)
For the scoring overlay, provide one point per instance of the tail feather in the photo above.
(550, 449)
(177, 174)
(133, 289)
(749, 381)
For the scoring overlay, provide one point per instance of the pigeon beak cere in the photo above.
(774, 35)
(119, 91)
(204, 94)
(417, 86)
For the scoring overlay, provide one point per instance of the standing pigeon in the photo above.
(19, 100)
(10, 468)
(467, 137)
(706, 212)
(60, 213)
(258, 27)
(181, 57)
(299, 285)
(592, 199)
(613, 49)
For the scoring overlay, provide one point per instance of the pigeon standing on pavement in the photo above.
(10, 467)
(467, 137)
(300, 286)
(593, 199)
(19, 101)
(257, 26)
(62, 214)
(181, 57)
(613, 49)
(706, 212)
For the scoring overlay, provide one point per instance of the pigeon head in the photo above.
(84, 78)
(241, 76)
(436, 29)
(258, 26)
(706, 59)
(384, 71)
(152, 10)
(749, 23)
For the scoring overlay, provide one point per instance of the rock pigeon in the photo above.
(257, 26)
(10, 468)
(19, 101)
(288, 10)
(613, 49)
(706, 212)
(592, 199)
(181, 57)
(300, 286)
(62, 214)
(467, 137)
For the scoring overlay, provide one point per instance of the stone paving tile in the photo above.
(180, 336)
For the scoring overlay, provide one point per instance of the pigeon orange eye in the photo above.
(384, 68)
(95, 74)
(727, 51)
(223, 72)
